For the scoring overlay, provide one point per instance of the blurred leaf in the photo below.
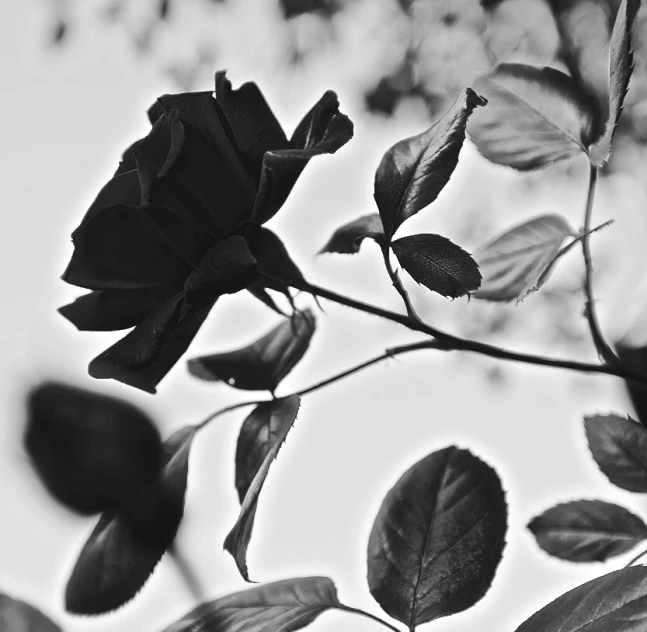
(415, 170)
(92, 452)
(60, 32)
(163, 9)
(535, 116)
(520, 260)
(587, 530)
(295, 8)
(19, 616)
(438, 264)
(122, 551)
(437, 538)
(616, 602)
(261, 438)
(348, 238)
(635, 359)
(263, 364)
(619, 447)
(620, 68)
(283, 606)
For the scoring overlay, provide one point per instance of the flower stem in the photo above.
(397, 284)
(605, 352)
(368, 615)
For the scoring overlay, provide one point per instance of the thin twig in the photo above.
(451, 342)
(397, 284)
(369, 616)
(188, 576)
(604, 350)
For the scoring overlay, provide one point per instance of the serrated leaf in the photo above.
(438, 264)
(437, 538)
(415, 170)
(261, 438)
(534, 117)
(283, 606)
(587, 530)
(264, 363)
(616, 602)
(620, 69)
(19, 616)
(348, 238)
(91, 451)
(619, 447)
(520, 260)
(123, 550)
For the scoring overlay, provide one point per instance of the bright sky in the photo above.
(67, 115)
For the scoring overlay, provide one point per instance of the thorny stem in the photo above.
(604, 350)
(451, 342)
(389, 353)
(369, 616)
(635, 559)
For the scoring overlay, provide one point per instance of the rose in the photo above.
(179, 224)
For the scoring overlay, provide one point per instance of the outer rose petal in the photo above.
(116, 246)
(322, 131)
(111, 310)
(252, 121)
(145, 355)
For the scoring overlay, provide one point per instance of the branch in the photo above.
(389, 353)
(451, 342)
(604, 350)
(397, 284)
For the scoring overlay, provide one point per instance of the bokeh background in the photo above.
(77, 78)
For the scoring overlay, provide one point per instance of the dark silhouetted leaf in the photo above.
(438, 264)
(283, 606)
(261, 438)
(438, 538)
(415, 170)
(620, 68)
(635, 359)
(92, 452)
(587, 530)
(616, 602)
(263, 364)
(123, 550)
(534, 116)
(521, 259)
(619, 447)
(18, 616)
(348, 238)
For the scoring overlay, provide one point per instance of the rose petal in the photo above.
(145, 355)
(226, 268)
(116, 246)
(111, 310)
(272, 257)
(252, 121)
(322, 131)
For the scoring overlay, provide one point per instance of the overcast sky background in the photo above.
(66, 117)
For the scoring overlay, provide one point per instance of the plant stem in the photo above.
(604, 350)
(389, 353)
(369, 616)
(451, 342)
(190, 578)
(397, 284)
(635, 559)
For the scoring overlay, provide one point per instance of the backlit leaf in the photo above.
(619, 447)
(261, 438)
(620, 68)
(19, 616)
(535, 116)
(348, 238)
(616, 602)
(91, 451)
(263, 364)
(587, 530)
(415, 170)
(519, 261)
(437, 263)
(282, 606)
(437, 538)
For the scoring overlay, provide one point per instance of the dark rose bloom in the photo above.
(180, 223)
